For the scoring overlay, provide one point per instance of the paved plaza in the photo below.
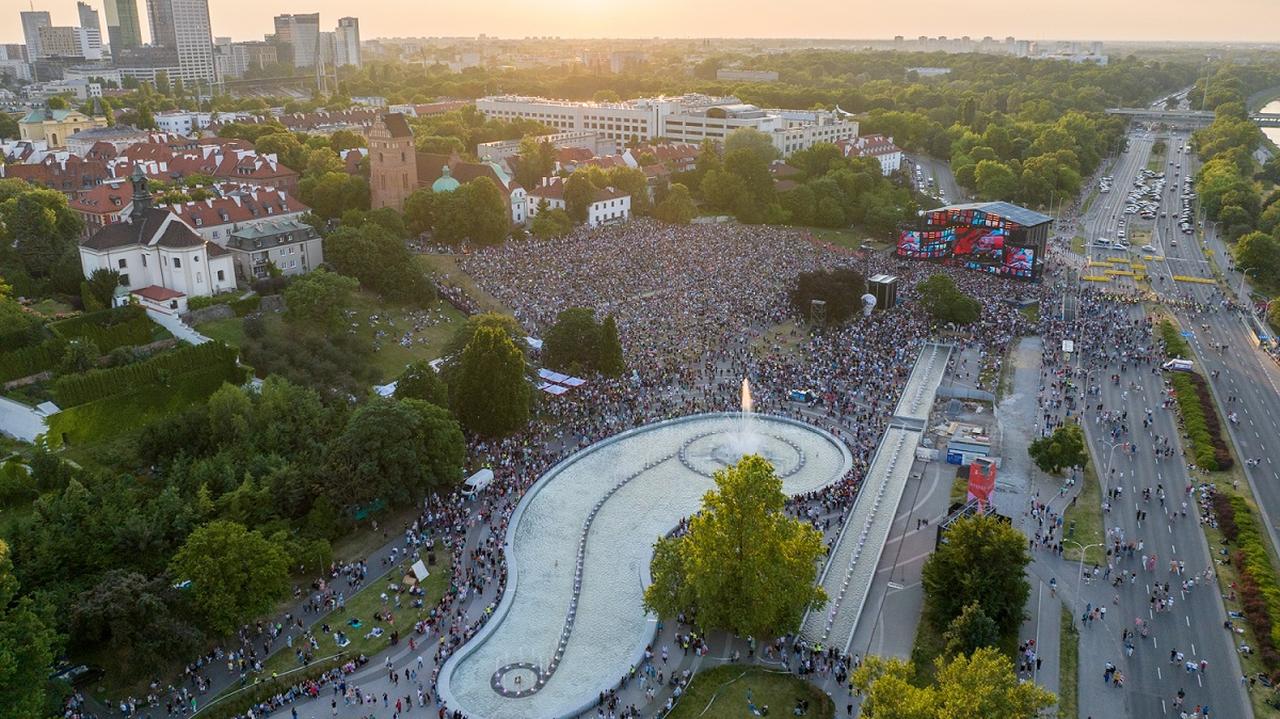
(571, 624)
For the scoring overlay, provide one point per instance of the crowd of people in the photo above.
(699, 307)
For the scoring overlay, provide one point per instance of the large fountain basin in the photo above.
(633, 487)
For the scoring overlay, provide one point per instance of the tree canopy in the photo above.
(396, 450)
(941, 299)
(490, 393)
(577, 342)
(981, 560)
(26, 648)
(235, 573)
(744, 566)
(1064, 448)
(841, 289)
(982, 684)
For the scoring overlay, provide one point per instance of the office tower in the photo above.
(346, 42)
(299, 37)
(183, 26)
(88, 17)
(32, 21)
(160, 16)
(60, 41)
(90, 31)
(124, 31)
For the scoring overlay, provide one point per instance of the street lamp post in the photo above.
(1243, 297)
(1080, 571)
(1110, 453)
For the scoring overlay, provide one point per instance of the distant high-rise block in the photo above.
(299, 36)
(124, 30)
(346, 42)
(32, 21)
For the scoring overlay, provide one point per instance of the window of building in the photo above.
(222, 276)
(124, 280)
(199, 278)
(122, 263)
(177, 262)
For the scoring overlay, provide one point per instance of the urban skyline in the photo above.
(1179, 20)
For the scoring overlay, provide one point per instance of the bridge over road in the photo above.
(1192, 118)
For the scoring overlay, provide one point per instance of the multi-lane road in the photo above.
(1193, 626)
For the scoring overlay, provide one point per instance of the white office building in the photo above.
(346, 42)
(689, 118)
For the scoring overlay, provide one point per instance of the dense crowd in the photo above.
(698, 307)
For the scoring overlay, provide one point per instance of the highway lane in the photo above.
(940, 170)
(1193, 624)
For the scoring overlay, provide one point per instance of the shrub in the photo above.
(97, 384)
(120, 327)
(31, 360)
(1201, 423)
(1259, 587)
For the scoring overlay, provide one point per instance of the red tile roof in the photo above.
(105, 199)
(156, 293)
(238, 204)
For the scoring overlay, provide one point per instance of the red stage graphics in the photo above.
(982, 480)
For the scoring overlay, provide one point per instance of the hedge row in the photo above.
(75, 326)
(1201, 422)
(241, 306)
(123, 413)
(1174, 344)
(31, 360)
(97, 384)
(1259, 587)
(108, 329)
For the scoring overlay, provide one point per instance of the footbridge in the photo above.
(852, 562)
(1192, 118)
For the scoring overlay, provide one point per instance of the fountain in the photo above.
(747, 441)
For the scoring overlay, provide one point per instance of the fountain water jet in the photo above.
(747, 441)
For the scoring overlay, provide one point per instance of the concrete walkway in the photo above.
(177, 328)
(1018, 482)
(19, 421)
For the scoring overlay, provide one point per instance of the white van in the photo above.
(476, 483)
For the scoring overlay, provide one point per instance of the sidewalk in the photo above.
(1018, 483)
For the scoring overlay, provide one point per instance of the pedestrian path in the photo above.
(19, 421)
(177, 327)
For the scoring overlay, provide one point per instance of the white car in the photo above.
(1148, 248)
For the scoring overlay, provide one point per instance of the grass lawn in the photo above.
(1084, 514)
(230, 331)
(52, 308)
(1068, 668)
(1228, 577)
(721, 693)
(439, 320)
(1088, 202)
(1077, 245)
(1031, 312)
(446, 268)
(389, 356)
(784, 338)
(852, 237)
(363, 605)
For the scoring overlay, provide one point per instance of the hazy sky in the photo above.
(1201, 20)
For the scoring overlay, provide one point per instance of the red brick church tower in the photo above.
(393, 163)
